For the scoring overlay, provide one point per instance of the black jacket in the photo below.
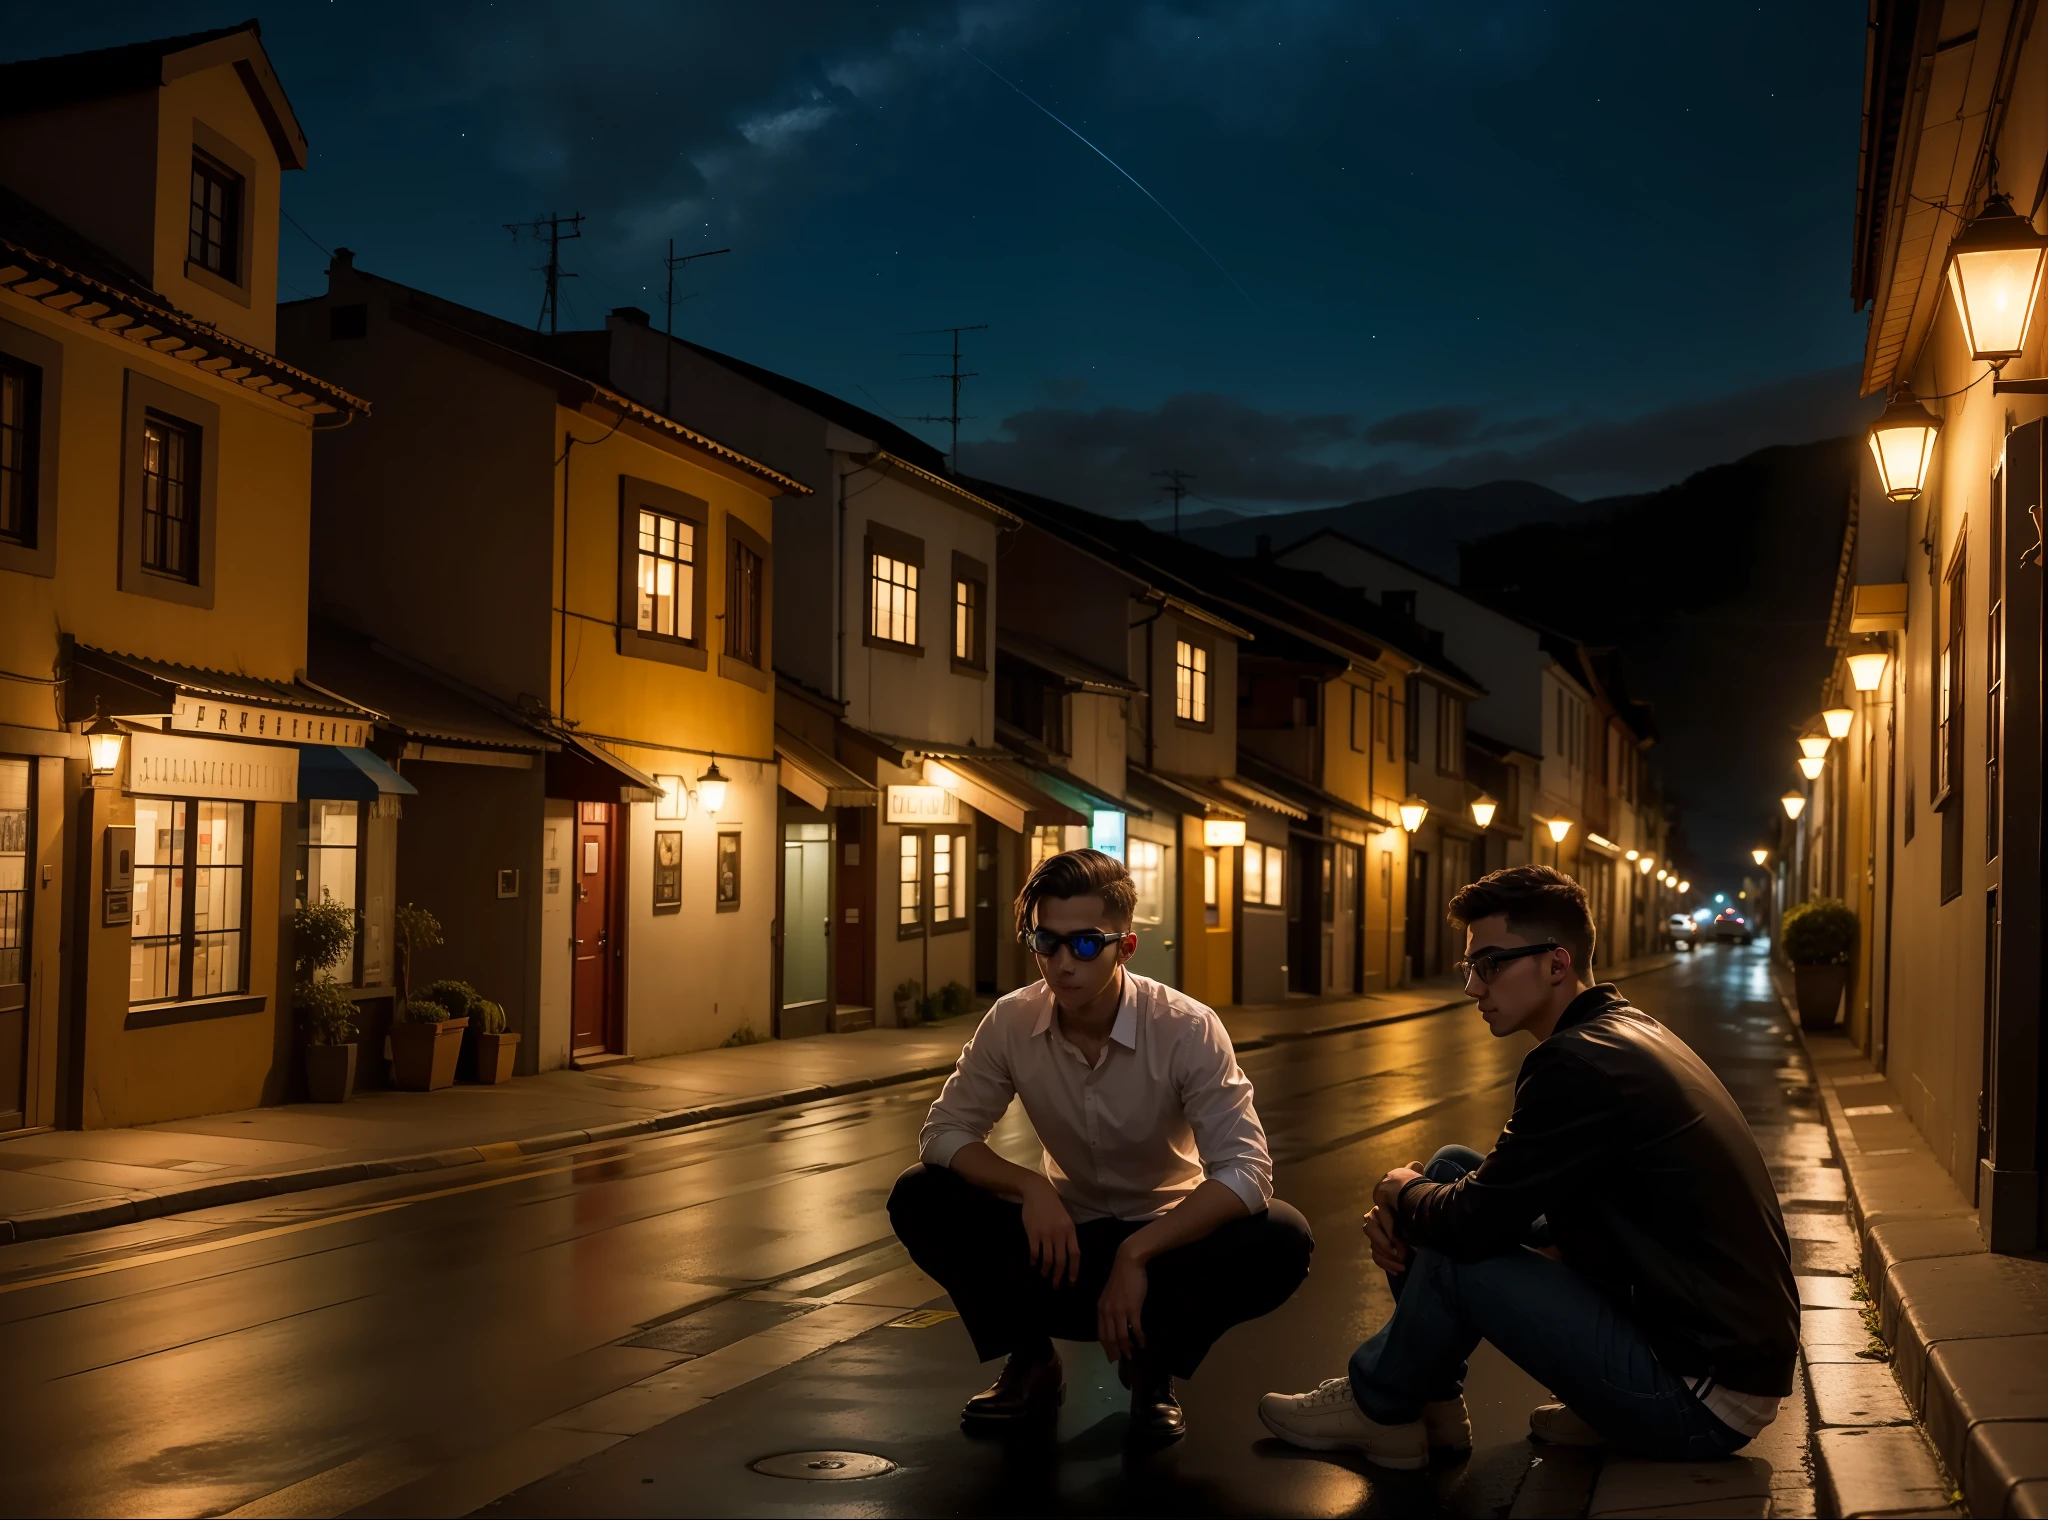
(1653, 1188)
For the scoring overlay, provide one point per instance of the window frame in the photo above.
(1995, 581)
(224, 257)
(304, 846)
(187, 934)
(970, 574)
(959, 849)
(180, 455)
(637, 496)
(1202, 701)
(146, 395)
(912, 927)
(1950, 672)
(36, 553)
(1450, 734)
(1251, 876)
(742, 541)
(881, 541)
(1153, 870)
(227, 159)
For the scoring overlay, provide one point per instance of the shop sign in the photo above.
(922, 804)
(194, 715)
(164, 765)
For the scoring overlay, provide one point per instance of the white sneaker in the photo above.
(1329, 1419)
(1447, 1424)
(1559, 1426)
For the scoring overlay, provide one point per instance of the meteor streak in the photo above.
(1155, 200)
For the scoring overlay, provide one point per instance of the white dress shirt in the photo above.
(1163, 1107)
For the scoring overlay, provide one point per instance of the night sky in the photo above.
(1597, 246)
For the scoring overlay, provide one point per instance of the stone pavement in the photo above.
(1963, 1333)
(58, 1182)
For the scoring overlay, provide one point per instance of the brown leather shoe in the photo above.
(1026, 1391)
(1156, 1415)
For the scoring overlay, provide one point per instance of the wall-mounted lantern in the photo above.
(1866, 670)
(1413, 811)
(1838, 720)
(103, 740)
(1994, 272)
(1902, 443)
(1810, 766)
(1559, 827)
(1794, 804)
(1759, 854)
(711, 788)
(1646, 863)
(1483, 809)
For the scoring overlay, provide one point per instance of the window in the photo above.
(1276, 873)
(1450, 734)
(1994, 665)
(330, 854)
(1212, 901)
(1413, 736)
(910, 883)
(1254, 872)
(190, 894)
(895, 568)
(970, 614)
(1148, 875)
(1045, 843)
(14, 902)
(745, 584)
(1190, 682)
(215, 244)
(949, 881)
(1948, 742)
(667, 576)
(21, 397)
(170, 497)
(1361, 719)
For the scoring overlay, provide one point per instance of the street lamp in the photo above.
(1794, 804)
(1810, 766)
(1483, 809)
(1994, 272)
(1814, 746)
(1902, 443)
(1559, 827)
(1867, 669)
(1838, 720)
(1413, 811)
(1684, 887)
(1645, 862)
(711, 788)
(1759, 854)
(103, 743)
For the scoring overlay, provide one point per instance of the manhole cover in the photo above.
(824, 1466)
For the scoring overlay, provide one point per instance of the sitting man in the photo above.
(1622, 1243)
(1152, 1227)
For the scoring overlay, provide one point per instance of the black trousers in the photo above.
(973, 1243)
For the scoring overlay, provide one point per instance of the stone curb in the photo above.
(100, 1214)
(1877, 1465)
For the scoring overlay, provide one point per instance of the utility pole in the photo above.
(668, 302)
(552, 227)
(955, 375)
(1176, 486)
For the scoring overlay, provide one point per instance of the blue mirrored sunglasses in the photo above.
(1085, 943)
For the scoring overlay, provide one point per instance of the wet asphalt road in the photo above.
(400, 1347)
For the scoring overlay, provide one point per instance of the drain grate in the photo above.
(824, 1466)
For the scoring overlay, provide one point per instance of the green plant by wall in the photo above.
(955, 998)
(414, 928)
(321, 935)
(420, 1010)
(1819, 933)
(459, 998)
(908, 991)
(746, 1034)
(487, 1017)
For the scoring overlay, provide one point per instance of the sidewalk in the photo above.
(64, 1181)
(1967, 1330)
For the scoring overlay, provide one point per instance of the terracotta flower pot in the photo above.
(423, 1056)
(330, 1072)
(1819, 990)
(495, 1055)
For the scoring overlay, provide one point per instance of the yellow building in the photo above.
(155, 467)
(511, 526)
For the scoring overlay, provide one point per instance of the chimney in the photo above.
(344, 258)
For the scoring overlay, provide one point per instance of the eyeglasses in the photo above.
(1085, 943)
(1487, 963)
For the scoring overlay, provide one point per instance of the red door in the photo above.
(591, 1020)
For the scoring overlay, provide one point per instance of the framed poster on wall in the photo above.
(668, 868)
(728, 870)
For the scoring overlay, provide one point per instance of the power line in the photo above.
(955, 375)
(1176, 486)
(551, 226)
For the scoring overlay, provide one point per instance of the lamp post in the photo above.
(1902, 443)
(1994, 272)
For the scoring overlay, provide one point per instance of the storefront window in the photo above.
(330, 855)
(1254, 871)
(13, 874)
(1148, 872)
(1276, 873)
(186, 940)
(910, 884)
(1212, 900)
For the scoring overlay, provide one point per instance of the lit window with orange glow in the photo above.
(668, 557)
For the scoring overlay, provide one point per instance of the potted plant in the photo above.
(907, 993)
(426, 1038)
(1818, 938)
(321, 935)
(497, 1047)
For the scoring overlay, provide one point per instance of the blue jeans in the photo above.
(1550, 1322)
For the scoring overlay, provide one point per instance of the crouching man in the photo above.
(1152, 1227)
(1621, 1243)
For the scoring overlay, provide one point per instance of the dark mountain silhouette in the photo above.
(1424, 527)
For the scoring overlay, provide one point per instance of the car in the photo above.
(1681, 930)
(1730, 925)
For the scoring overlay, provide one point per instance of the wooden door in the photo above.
(1416, 939)
(1345, 936)
(851, 978)
(1327, 896)
(15, 780)
(596, 981)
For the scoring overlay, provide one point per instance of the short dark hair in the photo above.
(1079, 873)
(1539, 903)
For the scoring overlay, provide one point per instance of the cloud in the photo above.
(1257, 460)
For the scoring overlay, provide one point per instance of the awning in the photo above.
(1070, 670)
(1002, 791)
(1185, 794)
(343, 773)
(813, 776)
(1082, 796)
(581, 772)
(1272, 780)
(1260, 797)
(424, 704)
